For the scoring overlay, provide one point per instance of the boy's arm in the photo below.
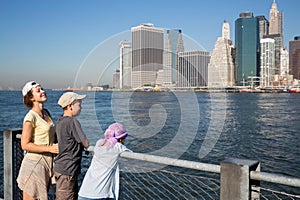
(85, 143)
(80, 135)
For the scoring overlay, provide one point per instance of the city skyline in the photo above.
(52, 42)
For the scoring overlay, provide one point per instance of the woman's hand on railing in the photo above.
(53, 148)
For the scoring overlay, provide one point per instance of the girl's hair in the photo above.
(27, 99)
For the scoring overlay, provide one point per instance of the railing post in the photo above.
(11, 152)
(235, 179)
(8, 164)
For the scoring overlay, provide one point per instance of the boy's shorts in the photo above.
(66, 187)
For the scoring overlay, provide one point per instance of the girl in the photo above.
(101, 181)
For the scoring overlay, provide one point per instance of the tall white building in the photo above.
(173, 45)
(221, 67)
(125, 64)
(192, 69)
(147, 54)
(267, 61)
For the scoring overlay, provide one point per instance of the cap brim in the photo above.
(123, 135)
(81, 96)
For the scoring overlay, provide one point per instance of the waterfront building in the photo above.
(221, 67)
(294, 57)
(247, 48)
(116, 79)
(125, 64)
(263, 26)
(192, 69)
(147, 54)
(173, 45)
(267, 60)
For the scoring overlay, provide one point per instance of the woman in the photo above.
(37, 140)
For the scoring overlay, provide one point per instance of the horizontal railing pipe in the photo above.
(172, 162)
(275, 178)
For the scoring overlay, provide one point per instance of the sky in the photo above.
(68, 43)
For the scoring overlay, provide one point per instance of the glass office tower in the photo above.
(247, 48)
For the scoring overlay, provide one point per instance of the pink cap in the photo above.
(114, 132)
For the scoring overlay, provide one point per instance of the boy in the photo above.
(71, 142)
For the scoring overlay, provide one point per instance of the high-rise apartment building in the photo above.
(173, 45)
(294, 57)
(192, 69)
(147, 54)
(278, 45)
(125, 64)
(247, 48)
(221, 67)
(267, 60)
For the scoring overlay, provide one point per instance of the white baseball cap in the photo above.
(68, 98)
(28, 86)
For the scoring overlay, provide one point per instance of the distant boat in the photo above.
(246, 90)
(251, 90)
(294, 90)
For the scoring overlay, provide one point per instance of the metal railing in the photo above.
(238, 178)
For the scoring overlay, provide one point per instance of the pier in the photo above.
(141, 178)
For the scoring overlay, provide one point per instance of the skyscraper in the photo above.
(263, 26)
(173, 45)
(294, 57)
(276, 33)
(147, 54)
(192, 68)
(267, 57)
(276, 21)
(116, 79)
(125, 64)
(247, 48)
(221, 67)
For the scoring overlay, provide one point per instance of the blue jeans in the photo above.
(84, 198)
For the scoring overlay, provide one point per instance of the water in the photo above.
(205, 127)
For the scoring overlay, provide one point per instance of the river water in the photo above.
(204, 127)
